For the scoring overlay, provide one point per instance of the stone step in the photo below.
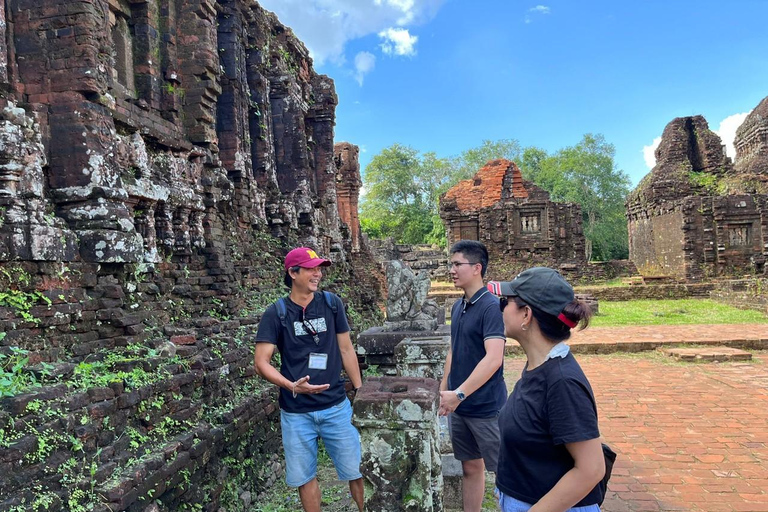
(707, 354)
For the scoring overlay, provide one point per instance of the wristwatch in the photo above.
(460, 395)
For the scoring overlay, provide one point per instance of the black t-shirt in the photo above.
(296, 344)
(550, 406)
(473, 322)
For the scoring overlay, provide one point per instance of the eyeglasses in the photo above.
(457, 264)
(310, 329)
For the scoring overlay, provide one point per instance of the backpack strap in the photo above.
(330, 300)
(281, 310)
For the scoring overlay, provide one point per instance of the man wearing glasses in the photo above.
(310, 330)
(473, 386)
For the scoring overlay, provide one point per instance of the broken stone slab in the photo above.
(378, 345)
(397, 418)
(708, 354)
(422, 356)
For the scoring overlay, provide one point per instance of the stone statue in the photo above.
(408, 308)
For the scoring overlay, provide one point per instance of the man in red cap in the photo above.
(311, 332)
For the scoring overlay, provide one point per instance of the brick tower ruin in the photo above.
(157, 159)
(697, 214)
(515, 219)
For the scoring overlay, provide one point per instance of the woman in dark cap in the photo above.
(550, 456)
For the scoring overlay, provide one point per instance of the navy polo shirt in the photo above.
(472, 322)
(551, 405)
(296, 344)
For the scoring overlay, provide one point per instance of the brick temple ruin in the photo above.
(514, 218)
(157, 158)
(698, 215)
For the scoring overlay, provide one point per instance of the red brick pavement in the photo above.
(637, 338)
(690, 436)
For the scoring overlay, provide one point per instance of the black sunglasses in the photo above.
(503, 301)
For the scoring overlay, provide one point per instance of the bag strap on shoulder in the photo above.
(330, 299)
(281, 310)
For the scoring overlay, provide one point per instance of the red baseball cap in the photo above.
(304, 257)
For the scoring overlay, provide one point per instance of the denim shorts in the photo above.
(341, 439)
(510, 504)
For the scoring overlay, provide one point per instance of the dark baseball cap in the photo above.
(304, 257)
(542, 288)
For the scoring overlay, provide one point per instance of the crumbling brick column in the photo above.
(397, 418)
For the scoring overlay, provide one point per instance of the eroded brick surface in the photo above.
(515, 219)
(697, 214)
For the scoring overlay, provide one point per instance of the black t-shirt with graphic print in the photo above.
(296, 345)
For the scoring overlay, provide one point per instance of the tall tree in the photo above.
(402, 189)
(472, 160)
(586, 174)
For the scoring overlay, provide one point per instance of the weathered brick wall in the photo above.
(751, 144)
(418, 257)
(159, 158)
(123, 431)
(514, 218)
(655, 243)
(743, 293)
(648, 292)
(696, 215)
(348, 185)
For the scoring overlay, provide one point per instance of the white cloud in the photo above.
(364, 63)
(398, 41)
(325, 26)
(539, 9)
(727, 132)
(648, 152)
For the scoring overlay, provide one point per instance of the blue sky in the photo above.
(444, 75)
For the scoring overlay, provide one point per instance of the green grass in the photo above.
(673, 312)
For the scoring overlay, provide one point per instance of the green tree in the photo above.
(472, 160)
(402, 189)
(586, 174)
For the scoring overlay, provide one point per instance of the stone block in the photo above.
(376, 343)
(452, 482)
(184, 339)
(422, 356)
(397, 418)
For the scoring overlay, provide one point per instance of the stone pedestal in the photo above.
(397, 418)
(378, 345)
(453, 497)
(425, 357)
(422, 356)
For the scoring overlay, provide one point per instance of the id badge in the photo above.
(318, 361)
